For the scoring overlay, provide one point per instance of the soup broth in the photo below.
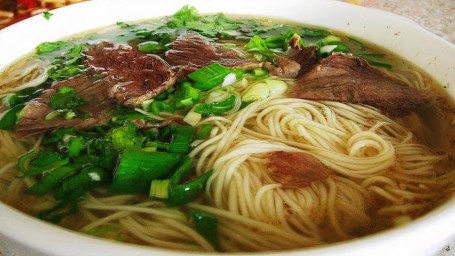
(213, 133)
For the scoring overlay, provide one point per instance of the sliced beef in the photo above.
(285, 67)
(296, 169)
(191, 52)
(345, 78)
(99, 107)
(136, 76)
(307, 59)
(296, 62)
(129, 78)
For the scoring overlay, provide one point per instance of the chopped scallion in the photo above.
(159, 189)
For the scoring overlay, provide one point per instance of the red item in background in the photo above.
(27, 3)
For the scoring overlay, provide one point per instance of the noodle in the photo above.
(368, 155)
(382, 164)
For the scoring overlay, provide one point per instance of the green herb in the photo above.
(48, 47)
(47, 15)
(68, 63)
(206, 224)
(259, 45)
(66, 98)
(217, 108)
(122, 24)
(208, 25)
(22, 96)
(185, 14)
(126, 137)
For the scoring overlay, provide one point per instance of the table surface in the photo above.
(436, 16)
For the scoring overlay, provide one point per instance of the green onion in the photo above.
(186, 193)
(182, 172)
(277, 87)
(192, 118)
(256, 92)
(261, 91)
(126, 137)
(88, 178)
(183, 137)
(162, 96)
(68, 115)
(62, 209)
(188, 102)
(137, 169)
(104, 230)
(159, 189)
(217, 108)
(204, 132)
(9, 119)
(185, 96)
(206, 224)
(330, 39)
(210, 76)
(158, 106)
(36, 162)
(75, 147)
(259, 72)
(52, 179)
(371, 59)
(361, 46)
(52, 115)
(24, 161)
(58, 134)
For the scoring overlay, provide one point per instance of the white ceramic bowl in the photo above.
(24, 235)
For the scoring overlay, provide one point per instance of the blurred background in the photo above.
(12, 11)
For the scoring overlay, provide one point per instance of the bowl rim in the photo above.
(42, 237)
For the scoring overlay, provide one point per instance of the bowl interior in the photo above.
(25, 235)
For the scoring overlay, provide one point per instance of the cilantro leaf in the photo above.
(47, 15)
(66, 98)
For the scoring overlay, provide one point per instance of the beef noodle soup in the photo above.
(213, 133)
